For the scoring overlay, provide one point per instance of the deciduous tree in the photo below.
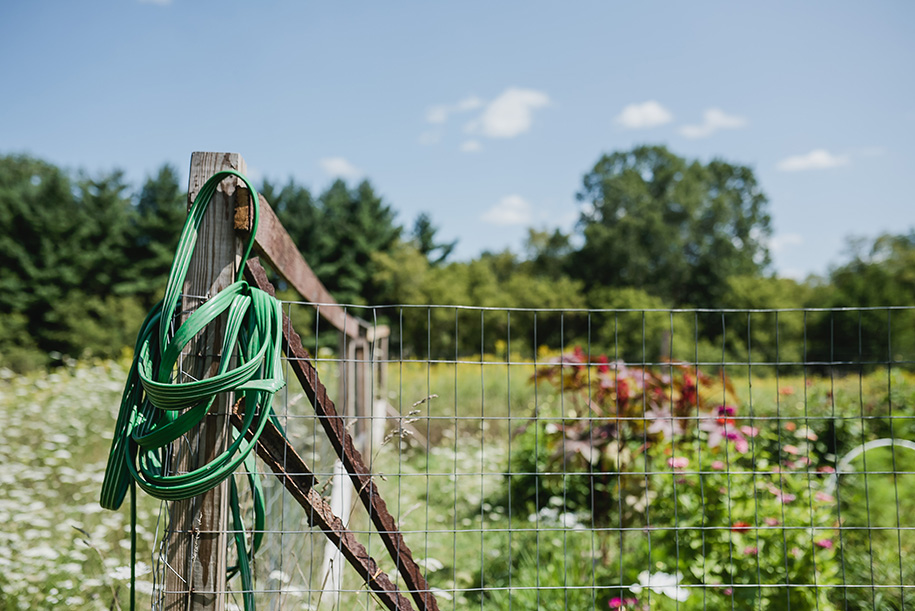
(675, 228)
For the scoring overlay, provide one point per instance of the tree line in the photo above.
(83, 257)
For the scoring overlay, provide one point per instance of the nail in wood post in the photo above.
(197, 537)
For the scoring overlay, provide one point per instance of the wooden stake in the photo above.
(197, 536)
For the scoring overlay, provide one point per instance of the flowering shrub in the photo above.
(727, 503)
(610, 414)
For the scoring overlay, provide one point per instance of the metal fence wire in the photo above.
(631, 459)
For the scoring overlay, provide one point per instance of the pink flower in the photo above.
(678, 462)
(784, 497)
(824, 543)
(728, 591)
(718, 465)
(727, 410)
(826, 469)
(749, 431)
(825, 498)
(621, 603)
(750, 550)
(790, 449)
(771, 522)
(741, 445)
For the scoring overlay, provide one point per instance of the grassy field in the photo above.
(482, 544)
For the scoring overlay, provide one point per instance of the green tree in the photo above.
(756, 331)
(63, 265)
(338, 233)
(354, 224)
(862, 325)
(298, 212)
(675, 228)
(156, 225)
(546, 253)
(425, 240)
(494, 280)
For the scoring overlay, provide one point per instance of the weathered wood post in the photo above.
(195, 577)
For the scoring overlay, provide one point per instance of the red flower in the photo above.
(603, 366)
(740, 527)
(622, 392)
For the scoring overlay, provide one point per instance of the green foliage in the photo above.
(766, 336)
(658, 231)
(878, 274)
(355, 224)
(728, 502)
(495, 280)
(879, 538)
(632, 332)
(678, 229)
(547, 254)
(298, 212)
(160, 212)
(64, 263)
(423, 237)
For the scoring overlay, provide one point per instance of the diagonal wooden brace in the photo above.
(298, 479)
(335, 429)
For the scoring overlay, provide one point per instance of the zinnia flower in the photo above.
(678, 462)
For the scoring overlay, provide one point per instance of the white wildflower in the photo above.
(661, 583)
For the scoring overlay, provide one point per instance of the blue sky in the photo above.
(486, 115)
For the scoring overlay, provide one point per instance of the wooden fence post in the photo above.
(196, 541)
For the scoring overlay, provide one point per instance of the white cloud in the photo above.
(429, 137)
(783, 242)
(819, 159)
(471, 146)
(439, 113)
(713, 119)
(644, 115)
(338, 167)
(511, 210)
(509, 115)
(469, 103)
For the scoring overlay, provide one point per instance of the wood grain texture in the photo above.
(274, 245)
(197, 538)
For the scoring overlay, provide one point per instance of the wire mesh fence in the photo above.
(638, 459)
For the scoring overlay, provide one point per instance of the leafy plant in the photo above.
(728, 504)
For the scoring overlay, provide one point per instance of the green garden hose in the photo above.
(157, 410)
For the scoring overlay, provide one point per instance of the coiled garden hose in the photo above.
(156, 409)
